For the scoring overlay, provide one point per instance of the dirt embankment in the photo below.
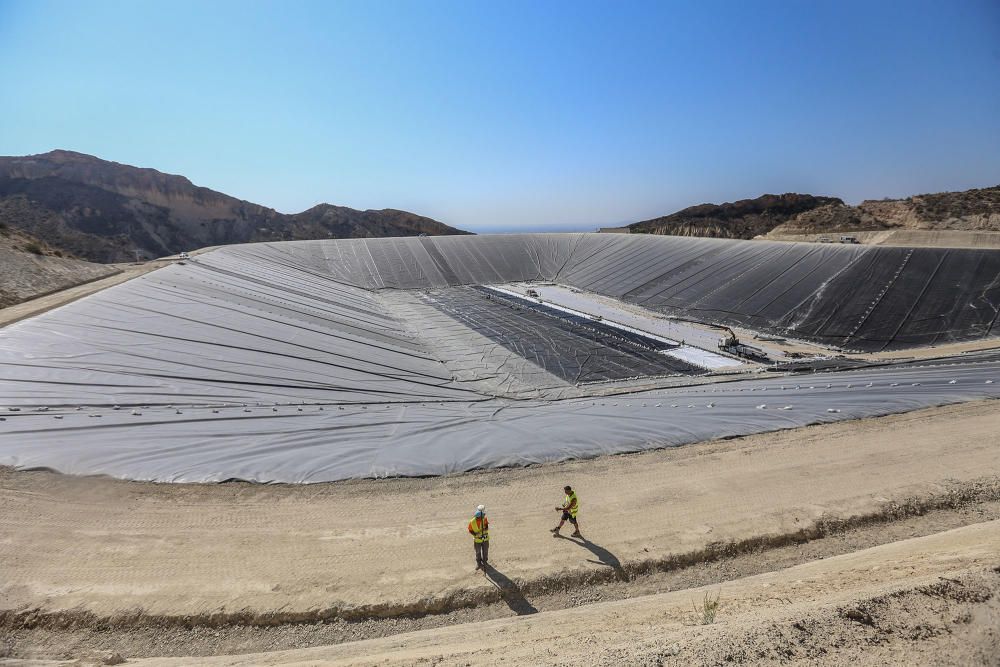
(929, 600)
(139, 636)
(29, 268)
(969, 210)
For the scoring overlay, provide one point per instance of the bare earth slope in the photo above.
(29, 268)
(957, 213)
(107, 212)
(929, 600)
(971, 210)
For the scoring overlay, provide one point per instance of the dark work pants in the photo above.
(482, 552)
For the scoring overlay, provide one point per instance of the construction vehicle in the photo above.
(729, 340)
(732, 345)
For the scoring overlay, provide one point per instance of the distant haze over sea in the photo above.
(564, 228)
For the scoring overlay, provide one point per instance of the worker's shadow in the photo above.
(509, 592)
(604, 557)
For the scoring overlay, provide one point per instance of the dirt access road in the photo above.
(928, 600)
(253, 553)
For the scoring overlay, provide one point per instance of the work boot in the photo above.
(576, 533)
(555, 531)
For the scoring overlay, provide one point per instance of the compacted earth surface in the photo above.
(874, 541)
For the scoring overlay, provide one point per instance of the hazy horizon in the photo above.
(515, 117)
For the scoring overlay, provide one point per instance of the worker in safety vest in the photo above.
(479, 528)
(569, 508)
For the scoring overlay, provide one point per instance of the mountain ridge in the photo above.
(111, 212)
(790, 214)
(741, 219)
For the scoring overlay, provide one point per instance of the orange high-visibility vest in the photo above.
(480, 529)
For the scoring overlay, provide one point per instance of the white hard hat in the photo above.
(481, 508)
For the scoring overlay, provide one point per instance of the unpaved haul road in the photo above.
(651, 629)
(378, 547)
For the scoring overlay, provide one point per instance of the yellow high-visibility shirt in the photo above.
(480, 529)
(571, 503)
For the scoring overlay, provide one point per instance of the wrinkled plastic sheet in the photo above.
(592, 327)
(187, 335)
(570, 347)
(862, 298)
(338, 442)
(290, 361)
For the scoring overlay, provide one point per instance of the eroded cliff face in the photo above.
(110, 212)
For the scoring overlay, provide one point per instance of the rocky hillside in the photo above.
(109, 212)
(29, 267)
(830, 219)
(780, 216)
(329, 221)
(742, 219)
(970, 210)
(16, 240)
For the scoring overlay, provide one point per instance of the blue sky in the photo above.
(514, 115)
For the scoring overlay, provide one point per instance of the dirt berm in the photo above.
(929, 600)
